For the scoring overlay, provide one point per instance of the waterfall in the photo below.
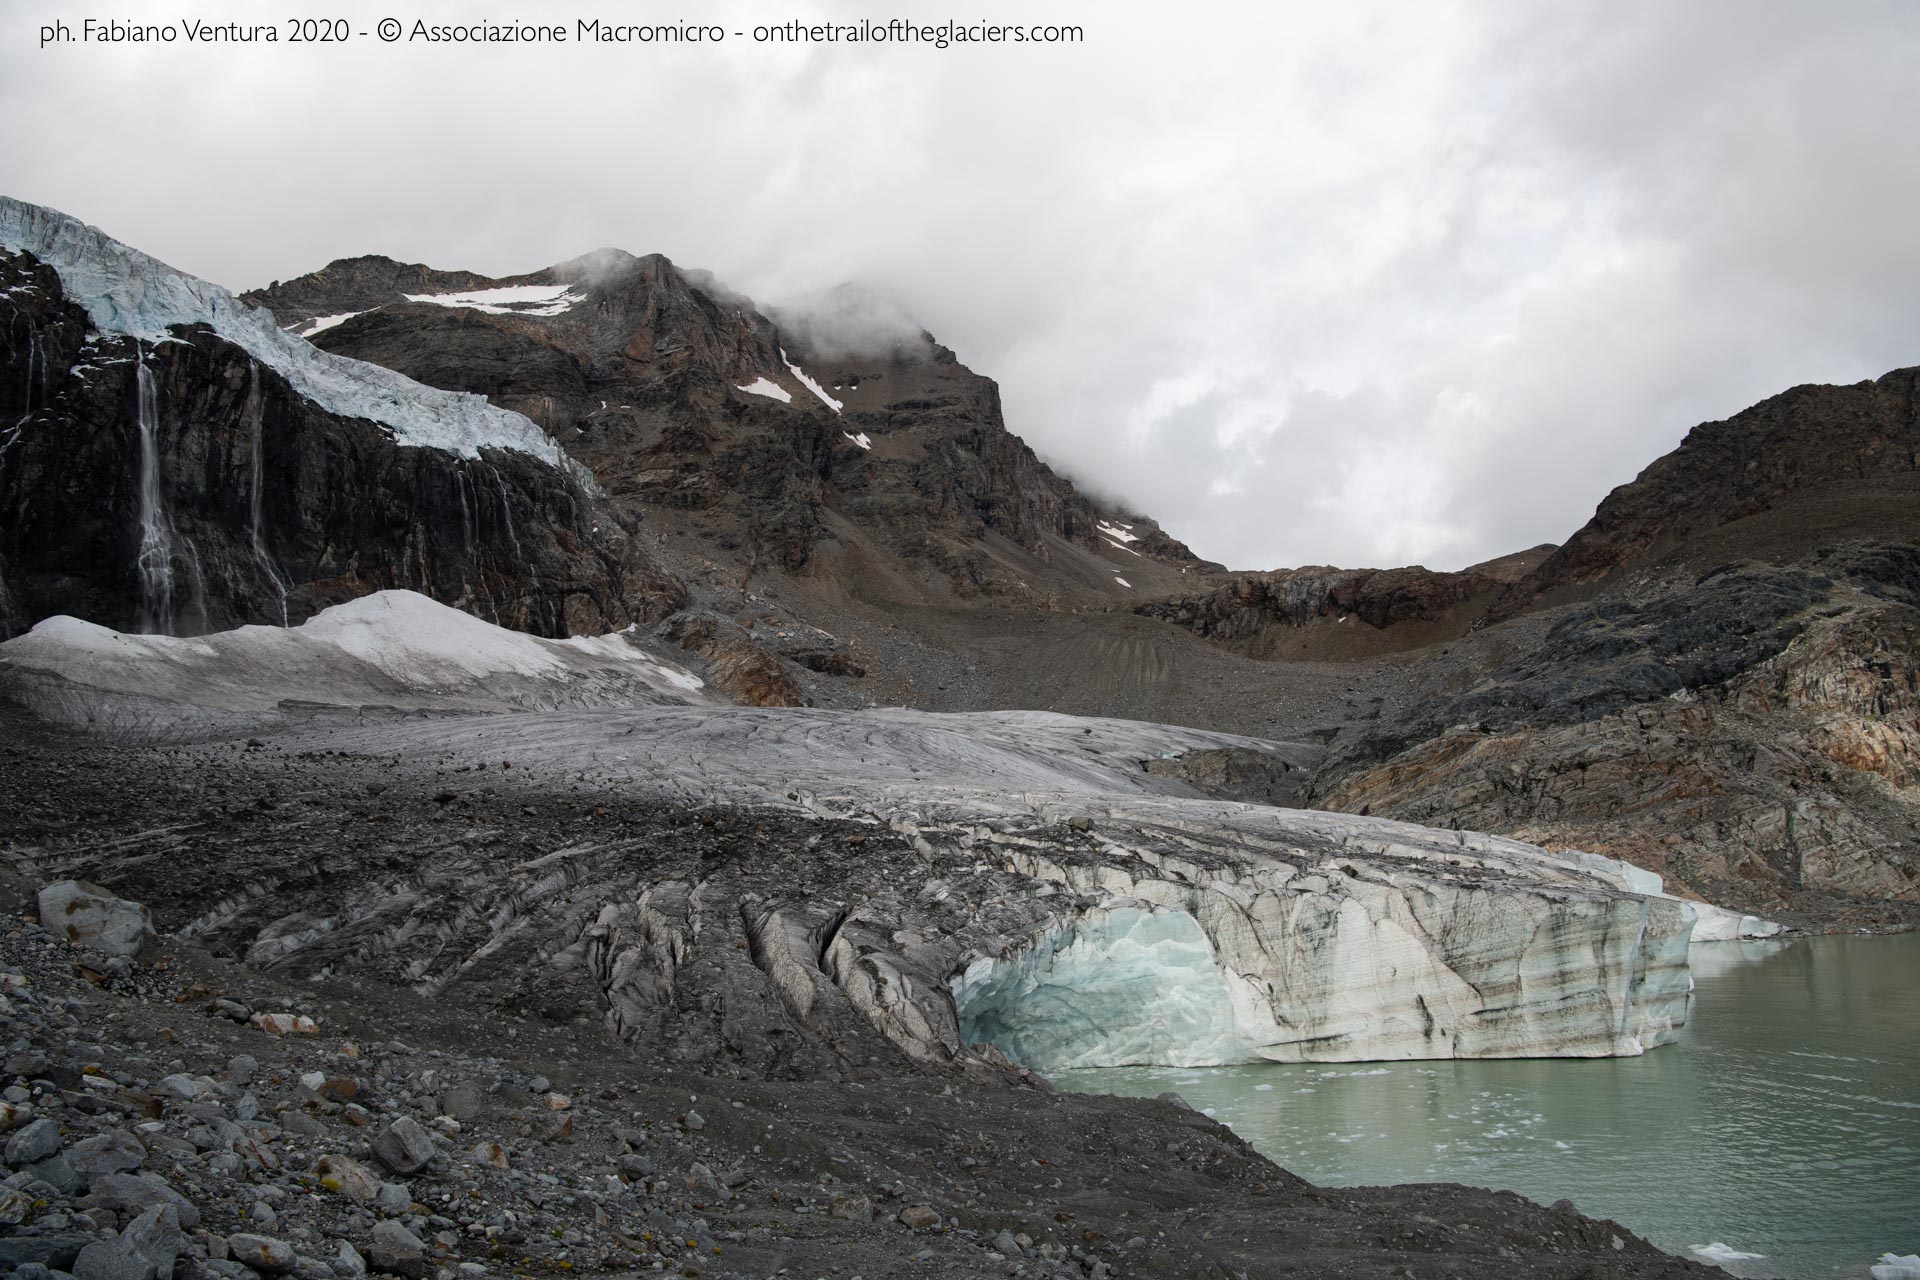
(156, 534)
(470, 530)
(513, 538)
(256, 412)
(34, 357)
(7, 441)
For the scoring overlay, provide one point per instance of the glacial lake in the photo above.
(1785, 1122)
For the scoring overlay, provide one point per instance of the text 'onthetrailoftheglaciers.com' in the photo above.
(190, 32)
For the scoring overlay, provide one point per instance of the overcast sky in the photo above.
(1354, 284)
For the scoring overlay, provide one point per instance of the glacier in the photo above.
(391, 649)
(126, 292)
(1127, 984)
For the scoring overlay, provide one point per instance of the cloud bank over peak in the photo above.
(1369, 284)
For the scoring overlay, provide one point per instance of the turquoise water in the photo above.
(1786, 1121)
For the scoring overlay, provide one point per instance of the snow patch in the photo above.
(1117, 532)
(1121, 546)
(771, 390)
(376, 649)
(810, 384)
(1123, 582)
(508, 300)
(862, 440)
(126, 292)
(319, 324)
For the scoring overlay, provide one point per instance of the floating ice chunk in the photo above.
(508, 300)
(126, 292)
(810, 384)
(770, 389)
(1718, 1252)
(862, 439)
(1718, 924)
(1895, 1266)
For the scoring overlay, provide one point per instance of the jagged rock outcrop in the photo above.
(1324, 612)
(177, 464)
(784, 450)
(1753, 736)
(1809, 466)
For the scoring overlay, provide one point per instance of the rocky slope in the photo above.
(1752, 735)
(1812, 466)
(872, 465)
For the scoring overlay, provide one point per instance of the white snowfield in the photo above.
(126, 292)
(811, 385)
(508, 300)
(392, 648)
(768, 388)
(320, 324)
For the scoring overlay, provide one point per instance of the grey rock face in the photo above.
(404, 1146)
(130, 1194)
(55, 1251)
(264, 1254)
(115, 1152)
(391, 1247)
(392, 1198)
(36, 1142)
(88, 916)
(145, 1249)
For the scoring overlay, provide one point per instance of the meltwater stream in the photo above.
(1785, 1122)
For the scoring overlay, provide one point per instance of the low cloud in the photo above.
(1364, 284)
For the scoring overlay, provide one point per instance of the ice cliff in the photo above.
(126, 292)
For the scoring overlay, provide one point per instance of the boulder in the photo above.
(348, 1177)
(89, 916)
(404, 1146)
(263, 1253)
(395, 1249)
(115, 1151)
(144, 1250)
